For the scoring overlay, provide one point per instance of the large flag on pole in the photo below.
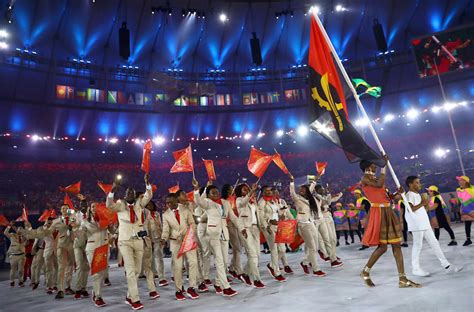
(258, 162)
(328, 109)
(183, 161)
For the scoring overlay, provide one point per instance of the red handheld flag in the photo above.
(100, 259)
(106, 216)
(44, 216)
(146, 156)
(258, 162)
(183, 161)
(209, 164)
(279, 162)
(286, 231)
(73, 188)
(189, 242)
(154, 187)
(105, 187)
(67, 201)
(4, 221)
(296, 242)
(321, 167)
(173, 189)
(190, 196)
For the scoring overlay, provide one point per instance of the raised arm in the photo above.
(148, 193)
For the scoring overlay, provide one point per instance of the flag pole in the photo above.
(453, 132)
(359, 104)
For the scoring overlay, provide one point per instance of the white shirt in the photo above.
(253, 208)
(416, 220)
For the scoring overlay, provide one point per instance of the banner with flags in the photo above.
(258, 162)
(279, 162)
(321, 167)
(73, 188)
(183, 161)
(189, 242)
(106, 188)
(211, 174)
(146, 156)
(327, 104)
(100, 259)
(173, 189)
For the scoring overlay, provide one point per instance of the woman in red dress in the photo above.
(383, 227)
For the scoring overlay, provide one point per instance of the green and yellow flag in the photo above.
(362, 86)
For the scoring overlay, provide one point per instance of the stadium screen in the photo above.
(449, 51)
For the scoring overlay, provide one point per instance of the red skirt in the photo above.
(383, 226)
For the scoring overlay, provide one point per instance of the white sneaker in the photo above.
(420, 272)
(453, 269)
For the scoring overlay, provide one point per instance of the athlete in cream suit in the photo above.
(50, 239)
(16, 252)
(95, 237)
(269, 216)
(38, 262)
(149, 225)
(249, 217)
(283, 214)
(204, 250)
(176, 221)
(130, 244)
(217, 212)
(306, 227)
(65, 251)
(80, 241)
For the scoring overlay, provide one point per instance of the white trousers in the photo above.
(430, 238)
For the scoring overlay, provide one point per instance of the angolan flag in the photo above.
(327, 103)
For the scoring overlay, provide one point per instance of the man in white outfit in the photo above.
(419, 224)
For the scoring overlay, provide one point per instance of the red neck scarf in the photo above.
(268, 198)
(176, 214)
(132, 213)
(218, 201)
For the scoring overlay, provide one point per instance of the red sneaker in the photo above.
(12, 284)
(218, 289)
(127, 301)
(280, 278)
(230, 281)
(246, 279)
(99, 302)
(77, 295)
(107, 282)
(154, 295)
(336, 264)
(191, 292)
(288, 270)
(270, 270)
(319, 273)
(84, 294)
(68, 291)
(321, 255)
(49, 291)
(137, 305)
(179, 296)
(55, 289)
(229, 292)
(21, 284)
(258, 284)
(163, 283)
(208, 282)
(234, 274)
(202, 288)
(305, 268)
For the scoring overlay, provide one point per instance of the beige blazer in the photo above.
(65, 236)
(96, 236)
(266, 210)
(217, 216)
(245, 211)
(174, 230)
(126, 229)
(17, 241)
(301, 205)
